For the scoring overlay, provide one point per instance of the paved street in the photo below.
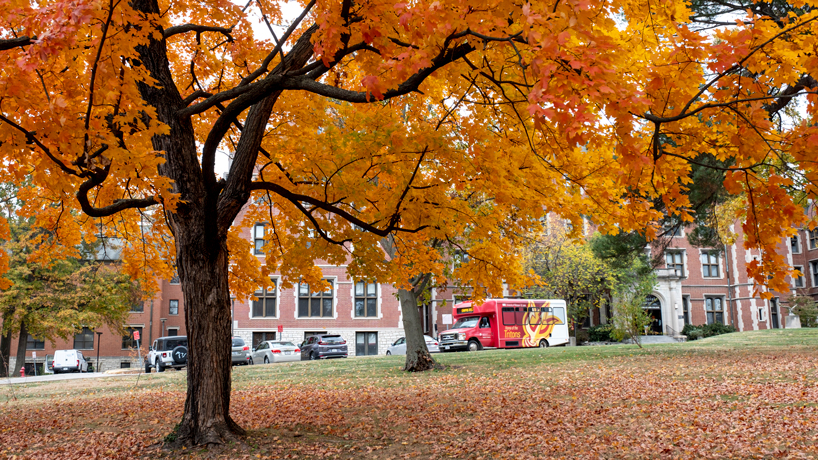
(52, 377)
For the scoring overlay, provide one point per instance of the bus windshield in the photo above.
(467, 322)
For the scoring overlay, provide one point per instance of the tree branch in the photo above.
(180, 29)
(7, 44)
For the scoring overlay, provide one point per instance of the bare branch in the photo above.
(176, 30)
(7, 44)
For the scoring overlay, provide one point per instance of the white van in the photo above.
(69, 361)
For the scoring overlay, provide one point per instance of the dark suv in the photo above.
(167, 352)
(324, 346)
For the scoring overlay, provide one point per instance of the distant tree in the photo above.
(569, 270)
(805, 308)
(630, 317)
(55, 297)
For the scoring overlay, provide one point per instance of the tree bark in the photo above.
(5, 347)
(206, 418)
(21, 348)
(418, 357)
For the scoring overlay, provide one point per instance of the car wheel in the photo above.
(543, 343)
(159, 366)
(250, 362)
(388, 352)
(474, 345)
(266, 361)
(147, 367)
(313, 356)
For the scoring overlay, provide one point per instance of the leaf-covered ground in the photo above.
(745, 395)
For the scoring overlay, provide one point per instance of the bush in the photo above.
(806, 309)
(581, 335)
(706, 330)
(599, 333)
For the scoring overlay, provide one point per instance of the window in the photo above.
(265, 305)
(714, 307)
(799, 280)
(138, 308)
(34, 343)
(173, 331)
(796, 248)
(258, 239)
(315, 304)
(127, 340)
(813, 265)
(175, 279)
(259, 337)
(813, 239)
(124, 364)
(675, 260)
(173, 307)
(686, 309)
(762, 314)
(710, 264)
(366, 299)
(84, 340)
(366, 343)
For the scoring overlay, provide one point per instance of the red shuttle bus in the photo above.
(506, 323)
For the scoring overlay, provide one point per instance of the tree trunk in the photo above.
(21, 348)
(418, 357)
(203, 272)
(5, 345)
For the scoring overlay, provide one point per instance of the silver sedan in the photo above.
(276, 352)
(399, 347)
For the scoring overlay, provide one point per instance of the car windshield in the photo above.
(171, 344)
(237, 342)
(334, 339)
(282, 344)
(464, 323)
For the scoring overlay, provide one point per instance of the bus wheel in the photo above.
(474, 345)
(543, 343)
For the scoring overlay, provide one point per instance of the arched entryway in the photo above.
(653, 307)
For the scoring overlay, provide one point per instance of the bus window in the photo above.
(559, 312)
(508, 316)
(534, 315)
(519, 313)
(484, 322)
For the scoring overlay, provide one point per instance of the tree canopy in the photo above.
(420, 120)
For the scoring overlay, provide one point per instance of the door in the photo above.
(774, 313)
(484, 332)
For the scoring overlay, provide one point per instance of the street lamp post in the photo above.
(99, 339)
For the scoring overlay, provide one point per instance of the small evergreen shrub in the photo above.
(599, 333)
(706, 330)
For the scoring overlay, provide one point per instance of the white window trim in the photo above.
(378, 297)
(724, 309)
(803, 277)
(797, 244)
(811, 272)
(762, 314)
(334, 280)
(685, 261)
(278, 303)
(719, 260)
(177, 307)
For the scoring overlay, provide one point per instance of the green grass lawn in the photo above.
(740, 395)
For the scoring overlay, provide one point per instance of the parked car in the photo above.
(69, 361)
(167, 352)
(276, 352)
(324, 346)
(241, 352)
(399, 347)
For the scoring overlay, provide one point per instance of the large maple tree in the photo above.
(427, 121)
